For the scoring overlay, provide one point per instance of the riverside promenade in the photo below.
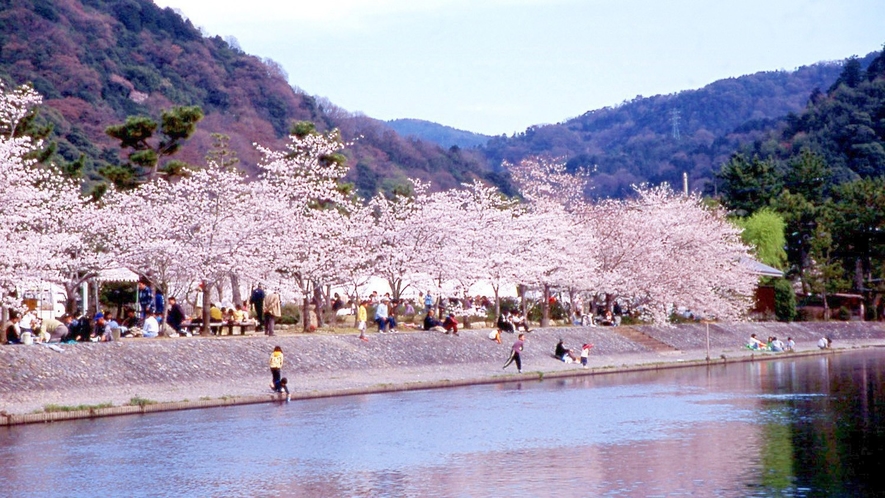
(145, 375)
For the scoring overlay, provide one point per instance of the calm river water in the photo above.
(790, 427)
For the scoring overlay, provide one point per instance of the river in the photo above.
(807, 426)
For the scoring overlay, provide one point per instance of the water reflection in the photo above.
(789, 427)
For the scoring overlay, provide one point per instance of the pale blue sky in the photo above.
(498, 66)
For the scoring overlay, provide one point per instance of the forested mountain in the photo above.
(845, 125)
(656, 139)
(442, 135)
(98, 61)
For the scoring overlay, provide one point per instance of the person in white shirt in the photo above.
(151, 325)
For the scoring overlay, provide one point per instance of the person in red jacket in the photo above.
(450, 324)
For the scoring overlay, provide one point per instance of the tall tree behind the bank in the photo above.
(846, 126)
(137, 134)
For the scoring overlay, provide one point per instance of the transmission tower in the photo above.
(674, 119)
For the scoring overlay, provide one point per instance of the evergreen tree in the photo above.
(748, 185)
(137, 133)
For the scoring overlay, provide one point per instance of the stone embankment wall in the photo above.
(229, 367)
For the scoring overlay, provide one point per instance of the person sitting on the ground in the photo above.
(608, 319)
(791, 344)
(824, 342)
(130, 319)
(101, 331)
(110, 326)
(777, 345)
(53, 330)
(26, 324)
(756, 343)
(11, 333)
(175, 317)
(519, 321)
(564, 354)
(504, 324)
(450, 324)
(151, 325)
(79, 330)
(98, 326)
(495, 335)
(382, 317)
(431, 323)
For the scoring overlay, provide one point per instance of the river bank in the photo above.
(139, 375)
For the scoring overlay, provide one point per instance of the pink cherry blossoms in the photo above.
(296, 229)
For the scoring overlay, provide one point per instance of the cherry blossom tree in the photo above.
(74, 230)
(561, 249)
(664, 249)
(41, 212)
(479, 241)
(198, 229)
(308, 213)
(399, 237)
(17, 189)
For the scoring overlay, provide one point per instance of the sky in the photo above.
(499, 66)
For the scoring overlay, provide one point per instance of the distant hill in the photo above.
(442, 135)
(98, 61)
(656, 139)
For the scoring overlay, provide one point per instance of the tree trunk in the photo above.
(71, 291)
(318, 304)
(356, 308)
(464, 305)
(497, 304)
(826, 307)
(235, 290)
(330, 314)
(204, 330)
(520, 289)
(305, 313)
(571, 306)
(439, 298)
(545, 307)
(858, 274)
(219, 289)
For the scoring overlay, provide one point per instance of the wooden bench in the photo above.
(243, 326)
(195, 328)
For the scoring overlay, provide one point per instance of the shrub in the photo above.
(291, 314)
(784, 300)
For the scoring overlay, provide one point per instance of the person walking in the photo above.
(272, 311)
(515, 352)
(257, 301)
